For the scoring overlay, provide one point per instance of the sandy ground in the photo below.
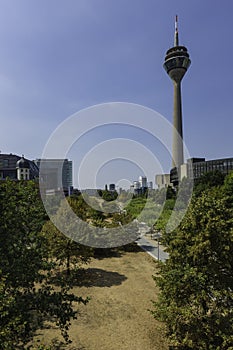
(117, 317)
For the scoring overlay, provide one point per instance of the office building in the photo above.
(56, 174)
(140, 187)
(112, 187)
(143, 181)
(196, 167)
(150, 185)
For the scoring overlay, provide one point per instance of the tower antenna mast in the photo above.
(176, 38)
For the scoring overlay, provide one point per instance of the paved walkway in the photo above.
(152, 248)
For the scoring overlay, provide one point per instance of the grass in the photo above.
(121, 289)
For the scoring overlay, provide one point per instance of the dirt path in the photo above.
(117, 317)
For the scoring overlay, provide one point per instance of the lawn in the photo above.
(117, 317)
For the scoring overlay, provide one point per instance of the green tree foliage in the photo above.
(196, 282)
(27, 297)
(79, 206)
(228, 188)
(119, 219)
(160, 195)
(154, 210)
(170, 193)
(184, 195)
(209, 180)
(124, 196)
(108, 195)
(165, 215)
(65, 251)
(135, 206)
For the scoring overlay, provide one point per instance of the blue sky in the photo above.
(58, 57)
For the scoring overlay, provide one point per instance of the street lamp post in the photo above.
(158, 248)
(157, 236)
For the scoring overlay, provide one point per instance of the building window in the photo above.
(5, 163)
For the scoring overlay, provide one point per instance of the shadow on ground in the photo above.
(94, 277)
(149, 248)
(102, 253)
(91, 277)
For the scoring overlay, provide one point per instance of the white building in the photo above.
(143, 181)
(162, 180)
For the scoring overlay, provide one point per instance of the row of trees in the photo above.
(196, 282)
(39, 263)
(31, 250)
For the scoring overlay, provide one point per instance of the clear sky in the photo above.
(58, 57)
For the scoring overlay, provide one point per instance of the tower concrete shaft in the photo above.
(177, 140)
(176, 64)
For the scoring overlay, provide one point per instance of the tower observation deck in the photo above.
(176, 64)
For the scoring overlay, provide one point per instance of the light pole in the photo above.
(157, 236)
(158, 248)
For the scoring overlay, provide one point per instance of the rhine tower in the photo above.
(176, 65)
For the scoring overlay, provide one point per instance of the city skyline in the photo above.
(57, 58)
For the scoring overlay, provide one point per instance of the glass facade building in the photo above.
(55, 173)
(198, 167)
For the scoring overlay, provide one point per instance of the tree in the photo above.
(228, 188)
(61, 248)
(196, 282)
(27, 297)
(135, 206)
(170, 193)
(208, 180)
(108, 195)
(164, 216)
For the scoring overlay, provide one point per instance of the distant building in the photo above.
(112, 187)
(120, 190)
(196, 167)
(131, 189)
(150, 185)
(15, 167)
(140, 186)
(162, 180)
(23, 169)
(55, 173)
(136, 187)
(143, 181)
